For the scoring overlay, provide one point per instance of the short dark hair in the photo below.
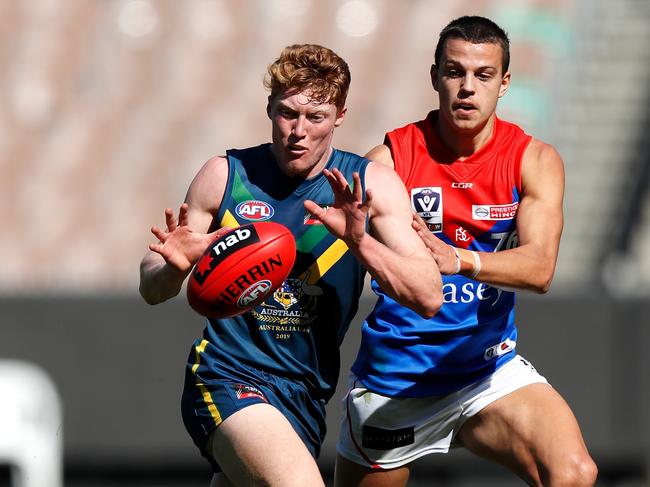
(477, 30)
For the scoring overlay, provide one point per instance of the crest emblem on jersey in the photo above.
(462, 235)
(291, 308)
(427, 202)
(494, 212)
(254, 210)
(289, 293)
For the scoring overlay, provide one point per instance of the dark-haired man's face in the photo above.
(469, 82)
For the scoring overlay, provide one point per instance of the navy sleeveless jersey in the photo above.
(296, 332)
(470, 203)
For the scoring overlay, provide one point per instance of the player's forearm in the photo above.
(519, 268)
(159, 281)
(412, 281)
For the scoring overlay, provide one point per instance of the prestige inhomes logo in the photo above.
(494, 212)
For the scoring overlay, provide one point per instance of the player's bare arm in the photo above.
(168, 262)
(382, 155)
(531, 264)
(392, 251)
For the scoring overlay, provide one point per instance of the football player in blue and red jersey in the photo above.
(487, 200)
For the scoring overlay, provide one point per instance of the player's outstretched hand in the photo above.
(179, 245)
(347, 218)
(443, 254)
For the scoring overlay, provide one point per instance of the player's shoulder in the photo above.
(209, 184)
(215, 166)
(381, 154)
(541, 164)
(382, 176)
(540, 152)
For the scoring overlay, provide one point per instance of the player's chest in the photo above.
(464, 207)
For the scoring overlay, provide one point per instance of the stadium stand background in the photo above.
(109, 107)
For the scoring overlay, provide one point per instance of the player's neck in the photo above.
(464, 143)
(322, 163)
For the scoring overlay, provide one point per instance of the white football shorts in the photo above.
(384, 432)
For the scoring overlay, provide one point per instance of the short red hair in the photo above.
(312, 68)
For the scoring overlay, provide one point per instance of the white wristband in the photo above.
(477, 264)
(457, 260)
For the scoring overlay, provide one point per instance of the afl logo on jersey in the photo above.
(254, 210)
(427, 202)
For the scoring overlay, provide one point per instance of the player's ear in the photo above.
(268, 106)
(505, 82)
(340, 115)
(434, 76)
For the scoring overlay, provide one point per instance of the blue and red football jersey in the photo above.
(470, 203)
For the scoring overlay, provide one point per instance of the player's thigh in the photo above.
(350, 474)
(258, 446)
(532, 431)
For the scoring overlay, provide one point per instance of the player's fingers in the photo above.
(358, 190)
(341, 181)
(158, 248)
(160, 235)
(418, 219)
(170, 221)
(163, 251)
(334, 182)
(316, 210)
(369, 197)
(331, 178)
(425, 238)
(428, 239)
(419, 227)
(182, 214)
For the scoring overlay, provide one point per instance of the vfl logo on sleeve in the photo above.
(254, 210)
(427, 202)
(494, 212)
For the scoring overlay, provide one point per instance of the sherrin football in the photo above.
(241, 268)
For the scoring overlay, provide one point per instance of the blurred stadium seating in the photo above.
(109, 107)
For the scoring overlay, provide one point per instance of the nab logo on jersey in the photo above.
(427, 202)
(254, 210)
